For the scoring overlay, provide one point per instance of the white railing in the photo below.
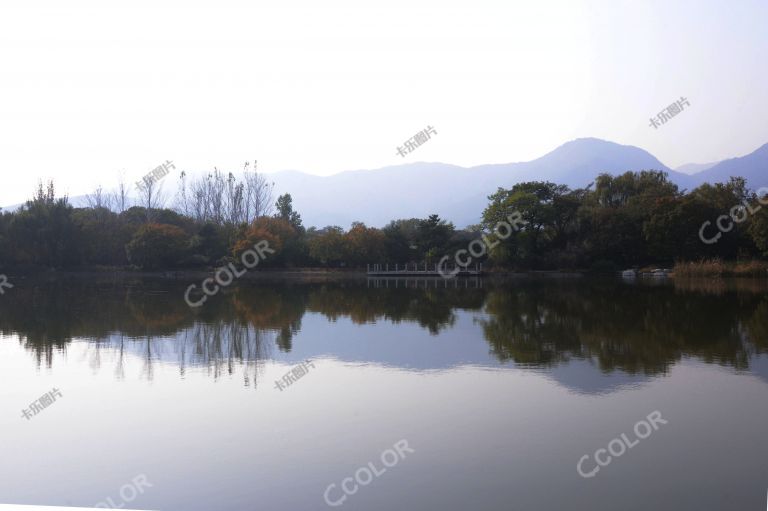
(420, 268)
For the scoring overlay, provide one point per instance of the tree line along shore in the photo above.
(634, 220)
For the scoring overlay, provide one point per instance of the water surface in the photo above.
(498, 386)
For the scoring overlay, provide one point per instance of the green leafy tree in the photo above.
(548, 210)
(156, 246)
(615, 216)
(758, 230)
(44, 232)
(433, 237)
(285, 211)
(401, 240)
(103, 236)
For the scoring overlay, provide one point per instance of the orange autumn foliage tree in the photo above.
(275, 231)
(364, 244)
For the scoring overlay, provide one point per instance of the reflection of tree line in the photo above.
(432, 309)
(232, 326)
(637, 329)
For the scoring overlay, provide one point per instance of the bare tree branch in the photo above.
(99, 199)
(151, 197)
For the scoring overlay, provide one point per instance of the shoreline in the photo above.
(337, 273)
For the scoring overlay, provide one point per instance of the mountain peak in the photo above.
(592, 145)
(752, 167)
(582, 159)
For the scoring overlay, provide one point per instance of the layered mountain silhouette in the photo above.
(753, 167)
(694, 168)
(460, 194)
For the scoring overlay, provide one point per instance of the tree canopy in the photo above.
(632, 219)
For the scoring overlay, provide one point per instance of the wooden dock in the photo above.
(421, 282)
(418, 270)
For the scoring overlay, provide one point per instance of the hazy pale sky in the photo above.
(88, 90)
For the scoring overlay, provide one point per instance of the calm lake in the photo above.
(477, 394)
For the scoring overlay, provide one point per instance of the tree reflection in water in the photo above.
(631, 327)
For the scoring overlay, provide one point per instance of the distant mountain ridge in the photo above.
(459, 194)
(456, 193)
(695, 168)
(753, 167)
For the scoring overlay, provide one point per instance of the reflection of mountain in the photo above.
(581, 376)
(759, 367)
(591, 336)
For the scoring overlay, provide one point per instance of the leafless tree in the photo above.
(45, 195)
(120, 195)
(151, 197)
(258, 194)
(205, 202)
(207, 198)
(216, 188)
(225, 199)
(233, 205)
(183, 205)
(99, 199)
